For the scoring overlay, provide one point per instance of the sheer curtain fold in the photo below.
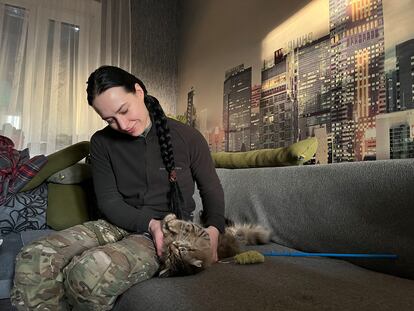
(13, 35)
(48, 48)
(17, 75)
(116, 36)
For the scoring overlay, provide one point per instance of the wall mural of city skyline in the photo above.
(348, 84)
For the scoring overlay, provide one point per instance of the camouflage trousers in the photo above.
(85, 267)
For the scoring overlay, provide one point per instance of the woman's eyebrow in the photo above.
(120, 108)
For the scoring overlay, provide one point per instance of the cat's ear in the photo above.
(197, 263)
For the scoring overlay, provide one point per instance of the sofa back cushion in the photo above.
(24, 211)
(361, 207)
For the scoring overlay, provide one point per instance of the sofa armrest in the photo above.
(58, 161)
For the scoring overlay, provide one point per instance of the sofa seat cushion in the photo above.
(280, 283)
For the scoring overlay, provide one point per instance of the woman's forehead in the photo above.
(111, 100)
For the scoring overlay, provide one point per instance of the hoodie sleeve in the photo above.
(208, 183)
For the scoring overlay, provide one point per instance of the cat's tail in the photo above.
(250, 234)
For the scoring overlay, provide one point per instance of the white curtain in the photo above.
(48, 48)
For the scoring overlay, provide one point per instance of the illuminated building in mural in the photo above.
(236, 108)
(313, 63)
(405, 75)
(190, 107)
(332, 88)
(395, 130)
(278, 112)
(357, 76)
(255, 118)
(395, 135)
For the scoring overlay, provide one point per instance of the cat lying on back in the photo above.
(187, 245)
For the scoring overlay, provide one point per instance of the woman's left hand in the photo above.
(214, 234)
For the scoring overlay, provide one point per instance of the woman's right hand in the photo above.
(157, 235)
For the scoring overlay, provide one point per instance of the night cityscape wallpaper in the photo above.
(349, 82)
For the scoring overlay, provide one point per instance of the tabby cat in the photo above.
(187, 245)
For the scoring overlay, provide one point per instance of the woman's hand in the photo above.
(154, 228)
(214, 234)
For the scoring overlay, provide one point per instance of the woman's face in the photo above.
(123, 111)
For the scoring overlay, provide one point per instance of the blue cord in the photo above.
(303, 254)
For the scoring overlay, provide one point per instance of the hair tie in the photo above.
(173, 176)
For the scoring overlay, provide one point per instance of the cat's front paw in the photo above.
(169, 217)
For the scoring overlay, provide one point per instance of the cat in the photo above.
(187, 245)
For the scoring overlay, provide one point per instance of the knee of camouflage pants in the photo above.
(38, 278)
(95, 279)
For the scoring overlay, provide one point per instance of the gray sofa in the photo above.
(363, 207)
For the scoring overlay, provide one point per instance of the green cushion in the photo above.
(295, 154)
(67, 206)
(58, 161)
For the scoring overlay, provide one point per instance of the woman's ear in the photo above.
(138, 89)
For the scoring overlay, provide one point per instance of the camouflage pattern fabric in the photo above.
(39, 277)
(95, 279)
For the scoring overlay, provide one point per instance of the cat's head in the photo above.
(187, 248)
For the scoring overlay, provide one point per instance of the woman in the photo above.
(144, 167)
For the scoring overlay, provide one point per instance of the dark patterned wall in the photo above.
(154, 36)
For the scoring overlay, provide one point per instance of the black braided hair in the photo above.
(167, 152)
(106, 77)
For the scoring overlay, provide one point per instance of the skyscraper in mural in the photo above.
(255, 117)
(190, 107)
(399, 81)
(236, 108)
(357, 76)
(278, 106)
(313, 63)
(395, 135)
(391, 90)
(405, 75)
(333, 88)
(395, 130)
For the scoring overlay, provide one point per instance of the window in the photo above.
(48, 49)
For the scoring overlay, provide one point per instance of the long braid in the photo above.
(167, 153)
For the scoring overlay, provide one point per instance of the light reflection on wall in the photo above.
(312, 19)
